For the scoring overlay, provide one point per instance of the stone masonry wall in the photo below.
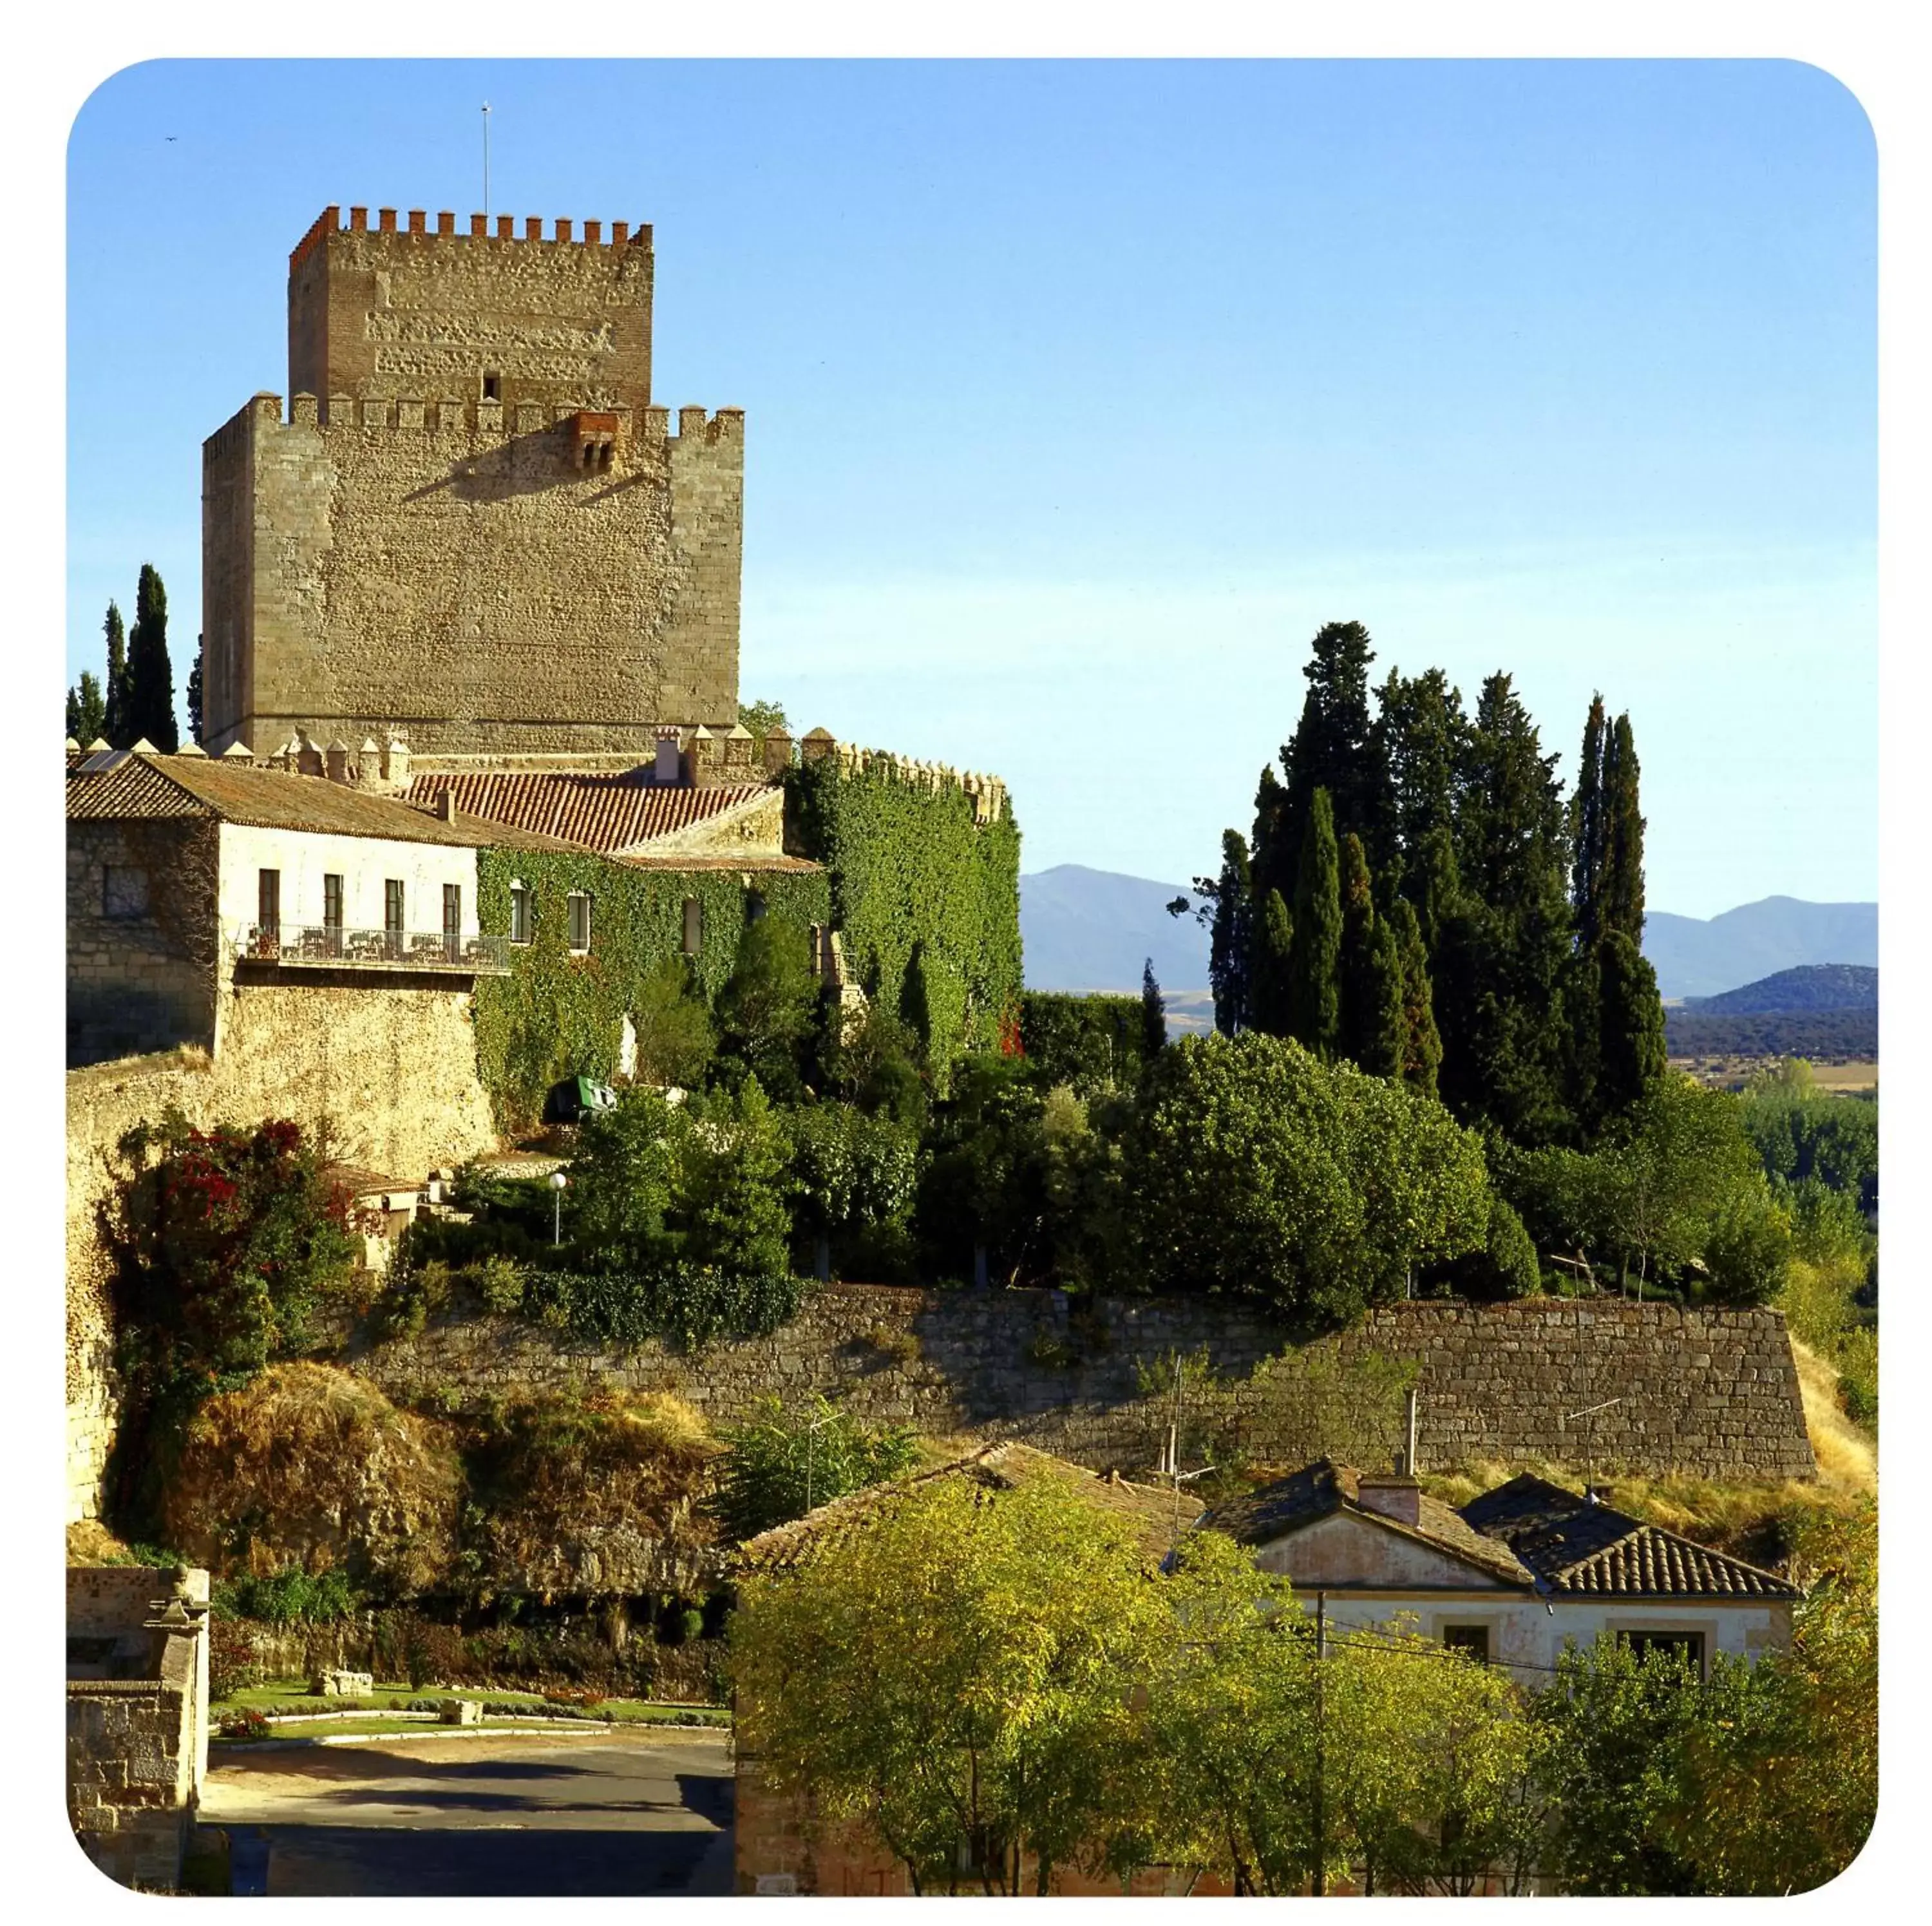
(1712, 1391)
(391, 1073)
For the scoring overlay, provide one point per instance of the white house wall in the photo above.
(364, 864)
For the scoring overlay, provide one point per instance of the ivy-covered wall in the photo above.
(926, 900)
(559, 1014)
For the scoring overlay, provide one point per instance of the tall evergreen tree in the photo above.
(1421, 1043)
(194, 689)
(1357, 973)
(1231, 944)
(1314, 976)
(1622, 893)
(1633, 1051)
(1587, 839)
(1154, 1015)
(1423, 739)
(86, 712)
(118, 697)
(1382, 1046)
(151, 676)
(1270, 988)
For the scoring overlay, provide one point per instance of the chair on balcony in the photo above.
(365, 946)
(426, 949)
(314, 946)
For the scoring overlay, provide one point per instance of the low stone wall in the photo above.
(1712, 1392)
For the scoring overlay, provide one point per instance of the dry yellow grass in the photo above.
(1847, 1459)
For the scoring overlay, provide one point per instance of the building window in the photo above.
(123, 891)
(268, 902)
(1688, 1646)
(452, 922)
(493, 385)
(520, 912)
(392, 914)
(331, 914)
(694, 926)
(754, 907)
(1474, 1639)
(580, 921)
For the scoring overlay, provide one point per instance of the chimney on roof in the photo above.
(445, 804)
(1596, 1493)
(669, 766)
(1392, 1495)
(335, 761)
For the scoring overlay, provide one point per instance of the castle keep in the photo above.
(471, 528)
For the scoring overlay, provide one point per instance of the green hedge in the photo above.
(926, 899)
(1082, 1041)
(558, 1015)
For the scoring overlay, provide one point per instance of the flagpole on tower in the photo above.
(486, 162)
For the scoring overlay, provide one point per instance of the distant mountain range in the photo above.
(1092, 930)
(1810, 987)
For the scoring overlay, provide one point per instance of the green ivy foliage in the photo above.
(926, 899)
(558, 1014)
(688, 1305)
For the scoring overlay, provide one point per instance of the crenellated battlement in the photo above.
(492, 230)
(988, 794)
(456, 416)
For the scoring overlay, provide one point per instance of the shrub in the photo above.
(231, 1664)
(290, 1596)
(783, 1463)
(246, 1725)
(688, 1305)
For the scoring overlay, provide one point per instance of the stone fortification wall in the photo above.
(453, 570)
(391, 1074)
(1715, 1392)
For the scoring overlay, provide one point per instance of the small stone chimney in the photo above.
(668, 767)
(445, 805)
(1392, 1495)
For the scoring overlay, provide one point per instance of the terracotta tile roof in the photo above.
(789, 866)
(1575, 1546)
(1319, 1490)
(171, 786)
(1147, 1509)
(599, 811)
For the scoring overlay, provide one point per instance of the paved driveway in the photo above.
(530, 1816)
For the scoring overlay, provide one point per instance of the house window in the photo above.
(123, 891)
(268, 902)
(1474, 1639)
(694, 926)
(1688, 1646)
(520, 912)
(392, 914)
(580, 921)
(331, 914)
(452, 922)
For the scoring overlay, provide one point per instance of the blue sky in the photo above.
(1079, 396)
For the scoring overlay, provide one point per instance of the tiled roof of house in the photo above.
(787, 866)
(159, 787)
(600, 811)
(1575, 1546)
(1147, 1510)
(1317, 1490)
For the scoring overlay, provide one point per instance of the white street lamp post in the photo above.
(557, 1181)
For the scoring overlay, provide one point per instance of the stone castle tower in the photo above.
(472, 529)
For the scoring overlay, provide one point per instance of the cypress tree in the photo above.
(86, 713)
(1336, 747)
(1421, 1043)
(1622, 894)
(1384, 1039)
(1360, 1013)
(194, 689)
(118, 697)
(1422, 740)
(1231, 945)
(1154, 1015)
(1632, 1025)
(1586, 828)
(151, 676)
(1269, 1010)
(1314, 999)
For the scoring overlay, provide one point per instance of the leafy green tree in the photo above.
(767, 1008)
(86, 711)
(955, 1676)
(734, 1184)
(982, 1194)
(118, 704)
(1424, 736)
(855, 1181)
(781, 1464)
(623, 1178)
(872, 1063)
(672, 1026)
(1256, 1170)
(150, 676)
(761, 719)
(1421, 1044)
(1154, 1014)
(1314, 989)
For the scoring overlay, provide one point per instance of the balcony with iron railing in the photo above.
(331, 946)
